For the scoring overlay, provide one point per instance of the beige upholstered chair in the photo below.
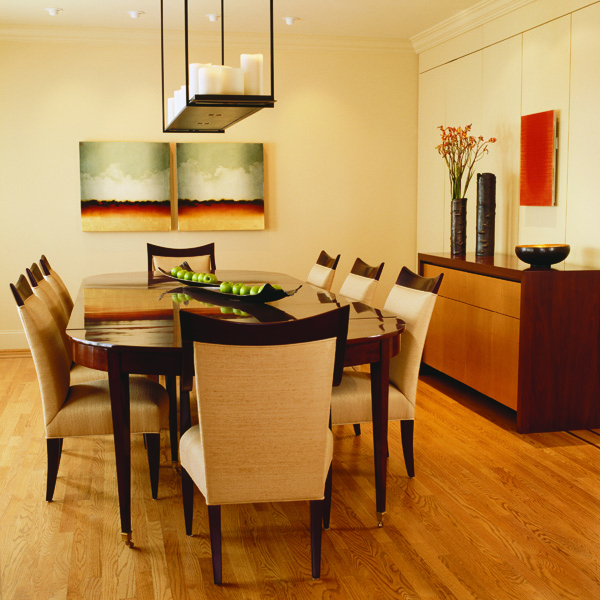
(412, 299)
(361, 282)
(85, 408)
(45, 292)
(200, 258)
(323, 271)
(264, 393)
(57, 284)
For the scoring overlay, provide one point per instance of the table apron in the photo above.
(369, 351)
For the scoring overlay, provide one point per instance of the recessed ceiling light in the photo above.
(213, 18)
(291, 20)
(135, 14)
(54, 11)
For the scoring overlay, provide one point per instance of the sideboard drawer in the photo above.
(490, 293)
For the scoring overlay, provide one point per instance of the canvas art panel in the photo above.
(125, 186)
(538, 159)
(220, 186)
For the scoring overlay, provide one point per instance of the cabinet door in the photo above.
(474, 332)
(477, 347)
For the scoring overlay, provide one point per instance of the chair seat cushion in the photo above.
(87, 409)
(249, 486)
(351, 401)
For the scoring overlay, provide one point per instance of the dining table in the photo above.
(128, 323)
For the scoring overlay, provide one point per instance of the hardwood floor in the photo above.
(491, 514)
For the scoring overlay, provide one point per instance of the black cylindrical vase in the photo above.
(458, 232)
(486, 214)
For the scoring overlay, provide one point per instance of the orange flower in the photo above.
(461, 151)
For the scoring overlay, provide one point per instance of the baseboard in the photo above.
(13, 340)
(18, 353)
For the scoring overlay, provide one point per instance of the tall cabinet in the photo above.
(526, 337)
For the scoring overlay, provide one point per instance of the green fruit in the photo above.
(188, 275)
(226, 287)
(181, 273)
(196, 277)
(240, 313)
(275, 286)
(174, 271)
(245, 290)
(226, 310)
(236, 288)
(255, 289)
(209, 278)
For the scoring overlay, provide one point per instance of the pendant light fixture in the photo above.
(204, 97)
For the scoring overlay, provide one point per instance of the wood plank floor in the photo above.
(490, 515)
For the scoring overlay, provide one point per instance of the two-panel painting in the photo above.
(125, 186)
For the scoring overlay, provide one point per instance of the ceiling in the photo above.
(393, 19)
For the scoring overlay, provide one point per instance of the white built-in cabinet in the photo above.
(527, 61)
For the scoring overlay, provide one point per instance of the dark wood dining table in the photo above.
(127, 323)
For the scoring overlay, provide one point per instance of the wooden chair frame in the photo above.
(198, 328)
(205, 250)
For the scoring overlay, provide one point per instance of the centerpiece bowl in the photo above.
(542, 255)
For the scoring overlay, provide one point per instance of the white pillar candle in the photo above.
(179, 102)
(170, 109)
(252, 65)
(193, 69)
(233, 81)
(210, 80)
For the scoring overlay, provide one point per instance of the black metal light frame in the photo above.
(208, 113)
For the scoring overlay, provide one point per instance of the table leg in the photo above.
(171, 385)
(380, 379)
(119, 399)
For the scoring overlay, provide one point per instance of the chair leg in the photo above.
(53, 452)
(327, 505)
(407, 430)
(316, 519)
(187, 492)
(214, 523)
(356, 428)
(153, 450)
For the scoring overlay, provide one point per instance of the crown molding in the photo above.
(465, 21)
(91, 35)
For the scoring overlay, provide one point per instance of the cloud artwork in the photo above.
(125, 186)
(220, 186)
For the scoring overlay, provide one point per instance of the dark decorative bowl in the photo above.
(542, 255)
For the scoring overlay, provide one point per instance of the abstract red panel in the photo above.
(538, 159)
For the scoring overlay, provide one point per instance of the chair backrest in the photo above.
(264, 396)
(43, 288)
(54, 279)
(323, 271)
(45, 292)
(200, 258)
(47, 348)
(361, 282)
(413, 301)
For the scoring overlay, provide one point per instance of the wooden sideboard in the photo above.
(526, 337)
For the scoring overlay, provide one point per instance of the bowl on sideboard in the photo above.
(542, 255)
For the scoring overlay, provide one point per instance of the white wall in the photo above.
(543, 56)
(340, 156)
